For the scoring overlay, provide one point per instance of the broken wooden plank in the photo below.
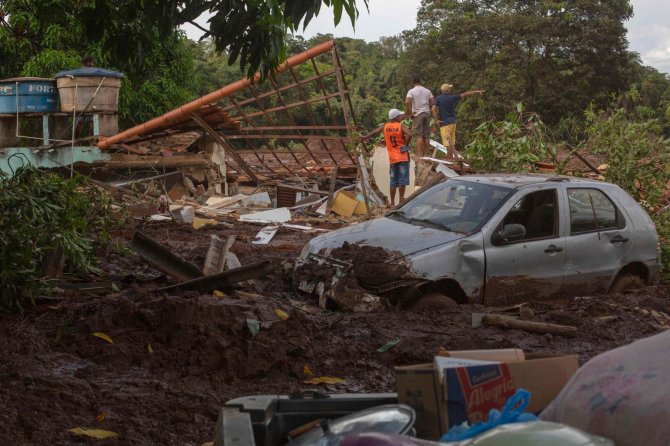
(265, 235)
(225, 279)
(213, 257)
(229, 148)
(163, 259)
(225, 254)
(499, 320)
(331, 190)
(124, 160)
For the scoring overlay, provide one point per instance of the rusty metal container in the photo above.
(90, 89)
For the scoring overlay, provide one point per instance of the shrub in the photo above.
(42, 214)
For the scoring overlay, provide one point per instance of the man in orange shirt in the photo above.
(397, 137)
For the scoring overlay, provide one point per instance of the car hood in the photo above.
(390, 234)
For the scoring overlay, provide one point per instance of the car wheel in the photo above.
(434, 301)
(626, 282)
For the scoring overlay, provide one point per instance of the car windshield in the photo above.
(457, 206)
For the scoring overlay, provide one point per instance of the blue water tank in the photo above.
(30, 94)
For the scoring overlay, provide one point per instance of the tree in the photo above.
(40, 41)
(555, 57)
(253, 31)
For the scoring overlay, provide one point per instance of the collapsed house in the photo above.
(295, 132)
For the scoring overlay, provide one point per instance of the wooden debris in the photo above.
(532, 327)
(225, 279)
(215, 261)
(331, 190)
(163, 259)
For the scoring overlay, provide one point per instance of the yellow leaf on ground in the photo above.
(150, 348)
(217, 293)
(306, 370)
(281, 314)
(324, 380)
(200, 222)
(101, 417)
(104, 336)
(94, 433)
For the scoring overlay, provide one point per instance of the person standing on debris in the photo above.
(87, 61)
(418, 104)
(397, 137)
(444, 112)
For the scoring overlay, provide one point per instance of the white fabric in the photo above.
(420, 97)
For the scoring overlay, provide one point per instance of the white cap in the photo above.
(394, 113)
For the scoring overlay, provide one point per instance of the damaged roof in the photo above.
(299, 121)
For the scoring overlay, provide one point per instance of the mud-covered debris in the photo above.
(372, 265)
(348, 275)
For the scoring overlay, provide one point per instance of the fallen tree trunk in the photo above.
(533, 327)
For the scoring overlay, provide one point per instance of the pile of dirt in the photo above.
(176, 359)
(372, 264)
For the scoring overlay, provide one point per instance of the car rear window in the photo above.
(592, 210)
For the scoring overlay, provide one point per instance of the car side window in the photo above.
(537, 212)
(592, 210)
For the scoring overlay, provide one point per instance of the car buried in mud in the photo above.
(491, 239)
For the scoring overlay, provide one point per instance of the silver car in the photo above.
(491, 239)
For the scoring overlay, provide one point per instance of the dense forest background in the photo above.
(557, 58)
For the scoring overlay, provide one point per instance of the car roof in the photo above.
(515, 180)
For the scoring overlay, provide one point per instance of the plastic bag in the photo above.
(621, 394)
(512, 412)
(534, 433)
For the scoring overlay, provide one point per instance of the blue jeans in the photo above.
(399, 174)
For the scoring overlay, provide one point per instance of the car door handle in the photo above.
(619, 239)
(553, 248)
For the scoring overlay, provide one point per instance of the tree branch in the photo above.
(206, 31)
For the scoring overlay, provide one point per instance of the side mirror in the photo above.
(510, 232)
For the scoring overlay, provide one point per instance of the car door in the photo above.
(599, 238)
(530, 267)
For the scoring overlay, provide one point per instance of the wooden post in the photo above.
(218, 138)
(533, 327)
(331, 190)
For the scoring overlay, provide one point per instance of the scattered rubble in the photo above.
(178, 355)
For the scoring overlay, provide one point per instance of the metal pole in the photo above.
(74, 126)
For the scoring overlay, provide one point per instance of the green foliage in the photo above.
(170, 82)
(41, 214)
(637, 154)
(512, 145)
(662, 221)
(255, 32)
(48, 62)
(638, 160)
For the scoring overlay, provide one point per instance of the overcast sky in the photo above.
(648, 30)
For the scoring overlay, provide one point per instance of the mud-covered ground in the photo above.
(175, 359)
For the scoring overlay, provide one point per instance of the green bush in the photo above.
(512, 145)
(638, 159)
(41, 214)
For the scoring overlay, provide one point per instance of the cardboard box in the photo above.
(346, 204)
(470, 389)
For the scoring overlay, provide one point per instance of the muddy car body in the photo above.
(497, 239)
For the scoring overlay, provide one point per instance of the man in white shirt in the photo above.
(418, 104)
